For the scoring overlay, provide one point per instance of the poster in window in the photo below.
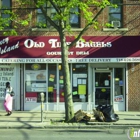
(120, 83)
(35, 75)
(81, 89)
(51, 78)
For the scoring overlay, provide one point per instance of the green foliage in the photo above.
(108, 25)
(24, 22)
(41, 25)
(62, 8)
(10, 32)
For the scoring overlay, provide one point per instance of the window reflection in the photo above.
(102, 88)
(52, 96)
(61, 84)
(119, 85)
(35, 82)
(115, 13)
(79, 82)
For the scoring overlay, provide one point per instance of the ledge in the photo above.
(6, 30)
(115, 29)
(53, 30)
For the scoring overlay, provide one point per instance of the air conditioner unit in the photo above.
(116, 24)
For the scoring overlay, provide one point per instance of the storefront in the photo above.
(98, 70)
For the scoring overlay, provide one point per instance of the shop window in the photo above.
(35, 82)
(79, 82)
(119, 85)
(74, 19)
(4, 13)
(61, 84)
(52, 84)
(115, 14)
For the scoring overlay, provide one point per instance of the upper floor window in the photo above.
(5, 6)
(115, 14)
(74, 19)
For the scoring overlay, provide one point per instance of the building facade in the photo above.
(104, 66)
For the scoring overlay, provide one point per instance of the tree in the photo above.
(63, 9)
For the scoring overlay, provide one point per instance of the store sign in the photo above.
(80, 44)
(31, 99)
(89, 49)
(70, 60)
(36, 66)
(119, 98)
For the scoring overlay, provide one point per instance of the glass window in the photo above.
(35, 82)
(119, 85)
(74, 18)
(55, 87)
(102, 88)
(61, 84)
(79, 82)
(115, 14)
(52, 84)
(5, 5)
(42, 22)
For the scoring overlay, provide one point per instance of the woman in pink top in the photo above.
(8, 102)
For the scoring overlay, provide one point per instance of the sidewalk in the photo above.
(29, 119)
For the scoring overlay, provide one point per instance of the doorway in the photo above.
(103, 87)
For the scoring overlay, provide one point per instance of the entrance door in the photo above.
(102, 88)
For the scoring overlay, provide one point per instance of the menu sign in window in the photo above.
(35, 75)
(7, 74)
(35, 84)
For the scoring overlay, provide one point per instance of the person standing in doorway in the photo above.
(8, 102)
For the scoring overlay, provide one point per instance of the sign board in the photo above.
(89, 49)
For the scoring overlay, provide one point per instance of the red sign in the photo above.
(88, 47)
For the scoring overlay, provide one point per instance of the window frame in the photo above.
(51, 10)
(120, 12)
(2, 14)
(75, 25)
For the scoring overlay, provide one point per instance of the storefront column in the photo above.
(126, 87)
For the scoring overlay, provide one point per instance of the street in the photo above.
(55, 134)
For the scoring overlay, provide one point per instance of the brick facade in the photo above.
(134, 87)
(131, 20)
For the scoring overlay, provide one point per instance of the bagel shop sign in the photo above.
(89, 49)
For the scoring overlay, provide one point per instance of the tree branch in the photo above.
(84, 29)
(47, 17)
(55, 7)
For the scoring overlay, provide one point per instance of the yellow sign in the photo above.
(51, 78)
(50, 89)
(103, 90)
(61, 77)
(35, 66)
(82, 89)
(62, 93)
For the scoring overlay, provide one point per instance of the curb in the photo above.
(68, 126)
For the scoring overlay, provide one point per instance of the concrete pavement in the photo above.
(51, 119)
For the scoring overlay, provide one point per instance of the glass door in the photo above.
(102, 88)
